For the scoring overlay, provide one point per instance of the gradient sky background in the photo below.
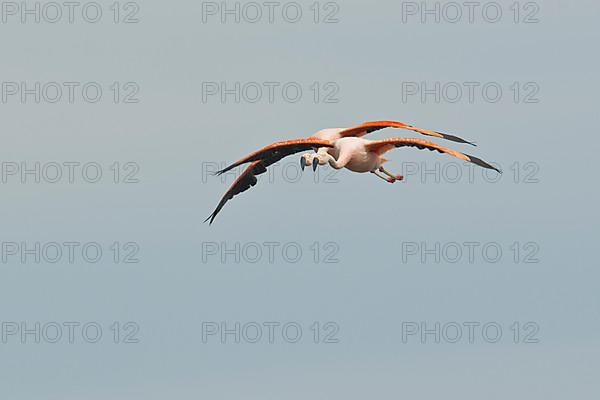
(173, 136)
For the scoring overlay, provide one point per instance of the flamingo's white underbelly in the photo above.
(361, 161)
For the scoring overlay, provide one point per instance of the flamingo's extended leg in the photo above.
(389, 180)
(396, 177)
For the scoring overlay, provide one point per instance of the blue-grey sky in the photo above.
(367, 271)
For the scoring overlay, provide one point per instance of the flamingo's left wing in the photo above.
(372, 126)
(259, 161)
(276, 151)
(243, 182)
(382, 146)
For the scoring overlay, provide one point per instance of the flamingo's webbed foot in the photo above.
(395, 177)
(387, 179)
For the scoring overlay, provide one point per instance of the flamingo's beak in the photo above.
(315, 163)
(302, 162)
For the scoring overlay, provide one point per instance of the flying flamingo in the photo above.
(340, 147)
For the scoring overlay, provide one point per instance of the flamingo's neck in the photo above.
(333, 162)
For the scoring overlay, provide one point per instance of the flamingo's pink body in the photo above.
(329, 134)
(351, 153)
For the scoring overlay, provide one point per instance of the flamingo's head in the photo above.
(314, 159)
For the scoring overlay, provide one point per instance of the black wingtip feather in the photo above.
(229, 168)
(481, 163)
(456, 139)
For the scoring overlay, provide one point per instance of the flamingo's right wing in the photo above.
(372, 126)
(276, 151)
(383, 146)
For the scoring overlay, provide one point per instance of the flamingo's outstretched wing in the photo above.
(276, 151)
(382, 146)
(243, 182)
(371, 126)
(259, 161)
